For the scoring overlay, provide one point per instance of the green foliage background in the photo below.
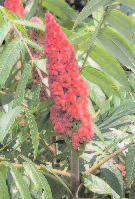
(103, 35)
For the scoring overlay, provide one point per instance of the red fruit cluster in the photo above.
(15, 6)
(69, 114)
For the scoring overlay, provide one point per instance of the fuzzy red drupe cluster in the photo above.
(69, 113)
(15, 6)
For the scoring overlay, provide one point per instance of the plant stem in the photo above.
(74, 164)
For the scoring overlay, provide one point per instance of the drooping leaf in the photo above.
(130, 164)
(119, 115)
(33, 131)
(30, 24)
(109, 65)
(97, 15)
(98, 97)
(3, 187)
(98, 132)
(113, 177)
(1, 19)
(117, 122)
(41, 64)
(35, 97)
(30, 9)
(19, 181)
(7, 120)
(131, 78)
(118, 46)
(58, 178)
(124, 24)
(91, 6)
(60, 8)
(40, 182)
(20, 91)
(4, 30)
(129, 3)
(45, 105)
(33, 44)
(98, 77)
(132, 192)
(8, 59)
(81, 37)
(97, 185)
(7, 102)
(11, 17)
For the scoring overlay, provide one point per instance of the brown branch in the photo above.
(39, 167)
(96, 166)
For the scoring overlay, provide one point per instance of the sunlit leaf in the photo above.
(101, 79)
(130, 164)
(91, 6)
(33, 131)
(8, 58)
(19, 181)
(39, 180)
(4, 30)
(20, 91)
(7, 120)
(97, 185)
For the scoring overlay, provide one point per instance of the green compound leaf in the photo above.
(8, 59)
(109, 65)
(35, 97)
(20, 91)
(97, 185)
(98, 132)
(101, 79)
(130, 164)
(41, 185)
(30, 8)
(3, 187)
(113, 177)
(11, 17)
(119, 116)
(1, 19)
(41, 64)
(91, 6)
(30, 24)
(118, 46)
(4, 29)
(60, 8)
(58, 178)
(7, 120)
(33, 44)
(45, 105)
(19, 181)
(129, 3)
(33, 131)
(124, 24)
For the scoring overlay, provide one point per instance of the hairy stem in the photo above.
(74, 164)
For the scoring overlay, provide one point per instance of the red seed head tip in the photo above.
(36, 19)
(48, 16)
